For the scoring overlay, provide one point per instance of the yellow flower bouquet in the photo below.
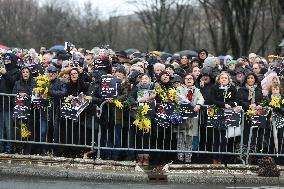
(275, 102)
(118, 104)
(25, 133)
(142, 121)
(170, 97)
(212, 110)
(42, 86)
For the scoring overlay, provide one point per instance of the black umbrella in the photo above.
(188, 53)
(165, 55)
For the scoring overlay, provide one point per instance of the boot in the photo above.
(140, 159)
(146, 160)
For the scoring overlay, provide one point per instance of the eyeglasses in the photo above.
(188, 78)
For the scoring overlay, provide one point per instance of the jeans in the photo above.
(6, 125)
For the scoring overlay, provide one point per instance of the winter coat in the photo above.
(220, 97)
(94, 92)
(7, 82)
(165, 87)
(190, 126)
(75, 89)
(135, 89)
(242, 97)
(123, 93)
(57, 91)
(206, 92)
(22, 86)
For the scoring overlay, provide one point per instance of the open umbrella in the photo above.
(56, 48)
(188, 53)
(130, 51)
(3, 47)
(165, 55)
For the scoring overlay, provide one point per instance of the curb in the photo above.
(123, 171)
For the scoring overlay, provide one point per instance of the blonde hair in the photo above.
(224, 73)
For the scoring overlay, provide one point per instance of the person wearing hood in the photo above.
(205, 83)
(23, 87)
(163, 82)
(176, 81)
(202, 55)
(9, 74)
(239, 77)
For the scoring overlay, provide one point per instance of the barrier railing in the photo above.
(111, 132)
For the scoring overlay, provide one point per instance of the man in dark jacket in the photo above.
(9, 74)
(57, 91)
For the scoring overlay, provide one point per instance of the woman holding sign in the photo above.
(187, 132)
(143, 94)
(74, 87)
(224, 97)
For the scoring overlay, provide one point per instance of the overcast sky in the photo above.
(106, 7)
(113, 7)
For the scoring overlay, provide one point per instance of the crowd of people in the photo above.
(226, 82)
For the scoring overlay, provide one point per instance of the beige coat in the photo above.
(190, 126)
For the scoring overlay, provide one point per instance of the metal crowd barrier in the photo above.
(127, 137)
(47, 128)
(111, 132)
(265, 141)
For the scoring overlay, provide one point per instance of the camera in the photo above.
(68, 46)
(151, 59)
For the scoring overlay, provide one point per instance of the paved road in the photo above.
(39, 183)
